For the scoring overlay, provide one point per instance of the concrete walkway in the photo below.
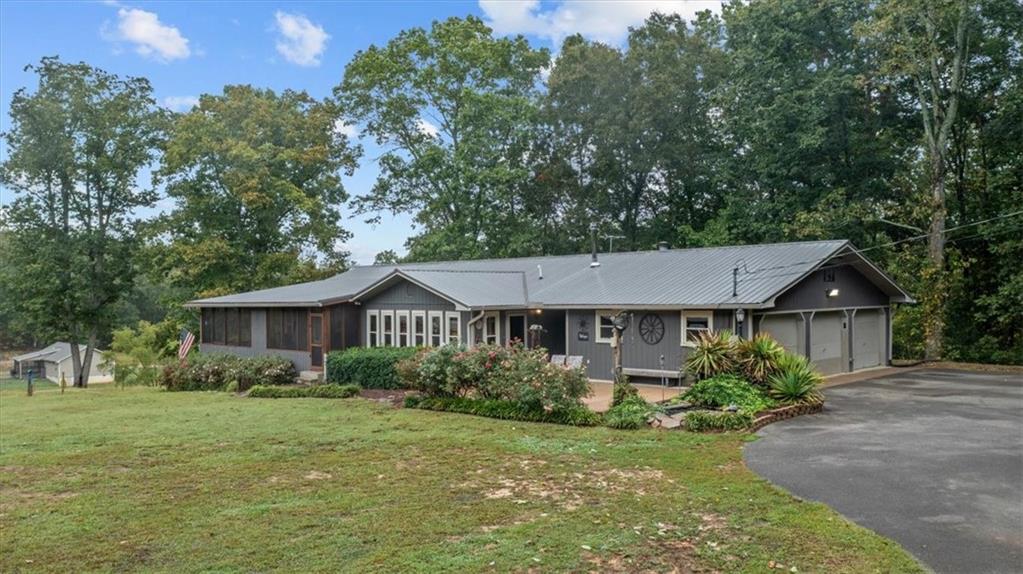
(932, 458)
(600, 401)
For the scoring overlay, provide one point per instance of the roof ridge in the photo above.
(601, 254)
(509, 271)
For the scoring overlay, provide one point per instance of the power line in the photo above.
(955, 240)
(891, 243)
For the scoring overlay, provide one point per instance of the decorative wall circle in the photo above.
(651, 329)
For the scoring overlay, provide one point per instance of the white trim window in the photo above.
(387, 328)
(492, 328)
(454, 327)
(419, 328)
(372, 329)
(402, 319)
(436, 328)
(694, 323)
(603, 326)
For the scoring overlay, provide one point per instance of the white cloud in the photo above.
(300, 41)
(427, 128)
(606, 22)
(151, 37)
(180, 103)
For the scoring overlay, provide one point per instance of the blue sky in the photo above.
(190, 48)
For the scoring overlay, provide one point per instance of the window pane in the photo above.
(453, 329)
(388, 334)
(403, 330)
(419, 330)
(301, 329)
(697, 323)
(207, 325)
(245, 327)
(373, 332)
(231, 338)
(435, 331)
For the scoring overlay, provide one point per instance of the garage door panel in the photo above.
(867, 339)
(786, 329)
(827, 342)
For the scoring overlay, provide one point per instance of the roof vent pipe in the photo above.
(593, 247)
(663, 246)
(539, 271)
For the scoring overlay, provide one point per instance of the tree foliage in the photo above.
(77, 145)
(255, 178)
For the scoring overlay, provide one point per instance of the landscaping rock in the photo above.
(666, 421)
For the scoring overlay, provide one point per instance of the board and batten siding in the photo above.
(854, 290)
(636, 353)
(301, 359)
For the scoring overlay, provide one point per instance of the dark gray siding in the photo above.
(854, 290)
(301, 359)
(405, 295)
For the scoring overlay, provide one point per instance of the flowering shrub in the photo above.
(215, 372)
(490, 372)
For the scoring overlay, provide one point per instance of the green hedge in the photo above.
(508, 410)
(328, 391)
(368, 367)
(707, 421)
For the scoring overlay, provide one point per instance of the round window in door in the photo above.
(651, 329)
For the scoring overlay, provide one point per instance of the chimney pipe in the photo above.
(663, 246)
(593, 247)
(539, 271)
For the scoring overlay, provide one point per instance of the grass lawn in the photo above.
(109, 479)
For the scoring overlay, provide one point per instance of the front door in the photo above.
(316, 341)
(517, 329)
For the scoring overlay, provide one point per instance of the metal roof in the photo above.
(673, 278)
(55, 353)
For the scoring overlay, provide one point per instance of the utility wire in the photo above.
(832, 266)
(891, 243)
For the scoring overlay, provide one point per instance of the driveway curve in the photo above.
(931, 458)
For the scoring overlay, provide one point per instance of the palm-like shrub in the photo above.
(758, 357)
(796, 381)
(713, 354)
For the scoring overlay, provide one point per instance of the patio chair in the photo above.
(574, 362)
(558, 360)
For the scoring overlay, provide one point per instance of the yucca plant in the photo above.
(713, 354)
(758, 357)
(796, 381)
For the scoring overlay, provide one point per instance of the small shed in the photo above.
(55, 360)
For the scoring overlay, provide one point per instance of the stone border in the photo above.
(782, 413)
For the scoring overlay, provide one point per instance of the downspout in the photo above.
(468, 326)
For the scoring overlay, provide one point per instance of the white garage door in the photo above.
(826, 337)
(867, 339)
(786, 329)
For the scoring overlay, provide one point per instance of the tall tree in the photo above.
(454, 107)
(925, 44)
(255, 178)
(815, 143)
(77, 145)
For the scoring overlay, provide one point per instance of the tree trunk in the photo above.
(934, 305)
(76, 362)
(87, 362)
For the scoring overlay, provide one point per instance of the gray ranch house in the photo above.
(822, 299)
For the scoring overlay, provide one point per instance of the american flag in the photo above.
(187, 339)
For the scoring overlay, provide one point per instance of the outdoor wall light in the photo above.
(832, 293)
(740, 315)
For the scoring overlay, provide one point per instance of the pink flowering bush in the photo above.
(491, 372)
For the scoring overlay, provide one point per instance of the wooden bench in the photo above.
(651, 373)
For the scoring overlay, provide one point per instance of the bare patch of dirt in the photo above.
(395, 397)
(317, 475)
(567, 490)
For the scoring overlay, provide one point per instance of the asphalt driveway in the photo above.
(932, 459)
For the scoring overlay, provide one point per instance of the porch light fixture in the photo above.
(740, 315)
(832, 293)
